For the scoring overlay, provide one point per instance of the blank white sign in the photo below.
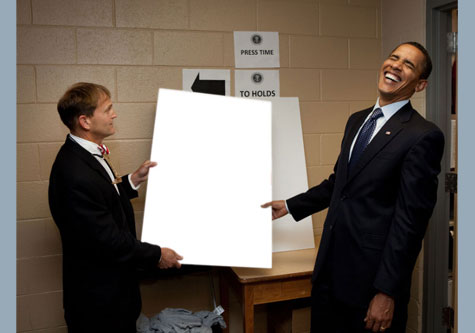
(214, 156)
(289, 174)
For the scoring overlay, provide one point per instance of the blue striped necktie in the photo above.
(364, 137)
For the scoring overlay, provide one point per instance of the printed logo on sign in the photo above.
(256, 39)
(257, 77)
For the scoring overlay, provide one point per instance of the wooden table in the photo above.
(289, 278)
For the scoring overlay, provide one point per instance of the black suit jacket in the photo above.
(378, 212)
(100, 250)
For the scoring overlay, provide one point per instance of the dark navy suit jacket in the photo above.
(378, 212)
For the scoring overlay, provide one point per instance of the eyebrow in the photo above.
(108, 107)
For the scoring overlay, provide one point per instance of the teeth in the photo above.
(392, 77)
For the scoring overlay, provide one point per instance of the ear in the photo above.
(421, 85)
(84, 122)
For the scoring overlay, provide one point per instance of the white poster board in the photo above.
(289, 176)
(214, 156)
(256, 49)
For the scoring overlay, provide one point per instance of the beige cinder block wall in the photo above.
(398, 25)
(330, 53)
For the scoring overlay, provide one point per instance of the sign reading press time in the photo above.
(256, 49)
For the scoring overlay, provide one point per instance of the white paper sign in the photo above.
(256, 49)
(214, 170)
(256, 83)
(210, 81)
(289, 175)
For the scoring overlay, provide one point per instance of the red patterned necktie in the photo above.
(105, 154)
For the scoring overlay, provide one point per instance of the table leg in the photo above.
(248, 308)
(224, 297)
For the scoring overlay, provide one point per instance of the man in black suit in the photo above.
(91, 206)
(380, 198)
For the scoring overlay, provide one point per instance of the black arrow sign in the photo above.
(215, 87)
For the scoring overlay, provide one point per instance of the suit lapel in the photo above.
(87, 157)
(128, 217)
(387, 133)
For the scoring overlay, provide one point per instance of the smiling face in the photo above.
(399, 76)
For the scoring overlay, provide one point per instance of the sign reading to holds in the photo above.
(257, 83)
(208, 81)
(256, 49)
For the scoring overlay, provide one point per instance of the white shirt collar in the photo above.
(390, 109)
(90, 146)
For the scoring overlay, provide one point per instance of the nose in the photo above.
(397, 64)
(114, 115)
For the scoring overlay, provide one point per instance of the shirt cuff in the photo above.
(287, 207)
(132, 184)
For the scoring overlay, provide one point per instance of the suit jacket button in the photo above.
(331, 226)
(343, 197)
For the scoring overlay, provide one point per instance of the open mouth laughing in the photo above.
(392, 77)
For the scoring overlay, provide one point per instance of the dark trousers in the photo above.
(101, 323)
(329, 315)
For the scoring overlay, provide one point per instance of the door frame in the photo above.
(436, 243)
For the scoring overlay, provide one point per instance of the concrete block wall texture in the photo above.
(330, 51)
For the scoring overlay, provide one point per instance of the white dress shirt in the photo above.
(388, 111)
(93, 148)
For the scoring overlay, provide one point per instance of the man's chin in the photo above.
(388, 89)
(384, 94)
(110, 134)
(387, 97)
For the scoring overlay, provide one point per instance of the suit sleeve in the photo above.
(318, 197)
(314, 200)
(93, 222)
(131, 193)
(416, 200)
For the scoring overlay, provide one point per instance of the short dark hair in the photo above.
(427, 64)
(80, 99)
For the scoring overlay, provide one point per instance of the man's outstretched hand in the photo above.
(169, 259)
(141, 174)
(278, 208)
